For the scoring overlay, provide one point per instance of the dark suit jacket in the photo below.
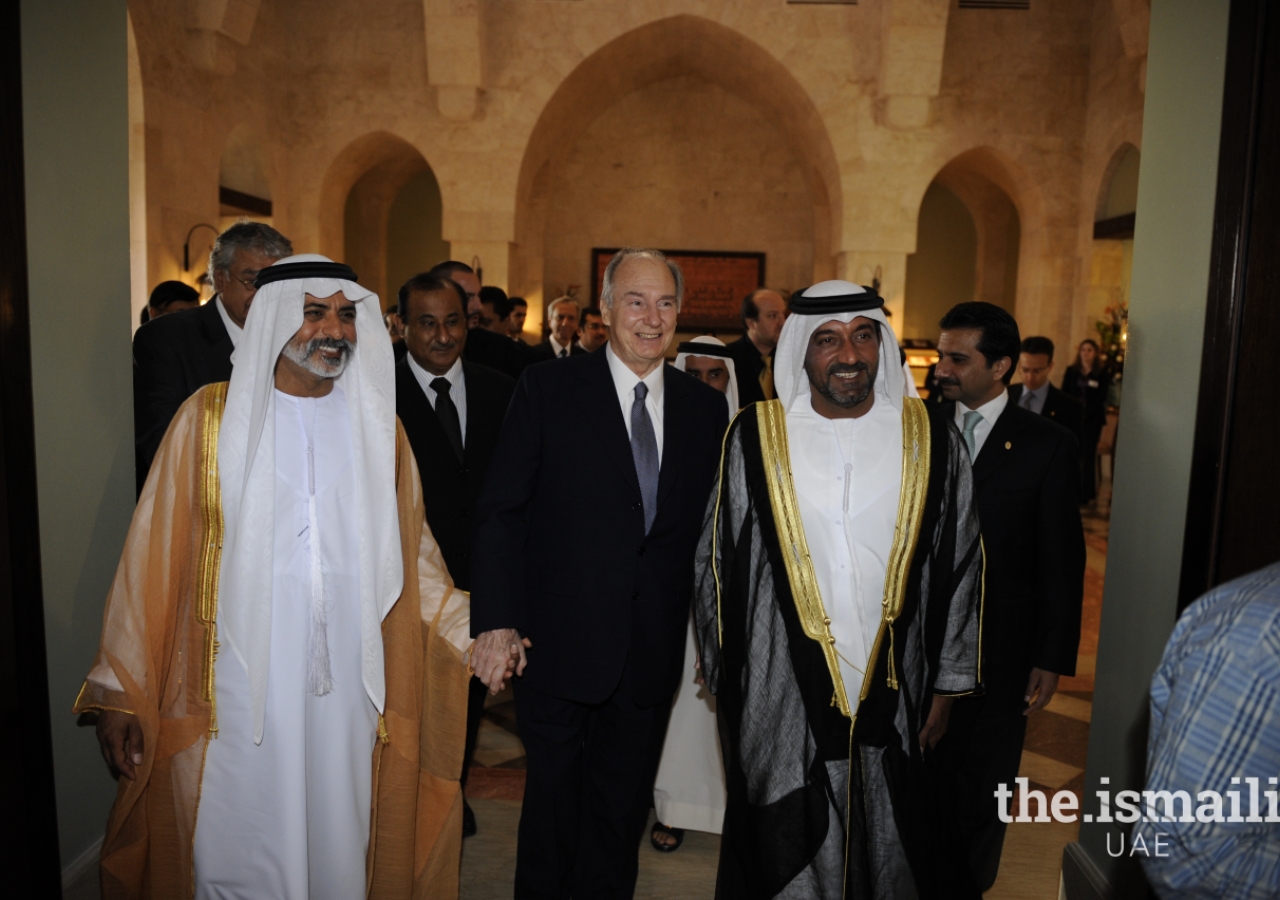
(488, 348)
(1091, 390)
(545, 351)
(1066, 411)
(747, 366)
(573, 569)
(1027, 481)
(451, 488)
(173, 357)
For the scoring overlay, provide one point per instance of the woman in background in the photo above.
(1088, 381)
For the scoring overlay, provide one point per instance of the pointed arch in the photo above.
(674, 47)
(356, 197)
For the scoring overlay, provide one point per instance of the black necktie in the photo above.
(564, 351)
(448, 415)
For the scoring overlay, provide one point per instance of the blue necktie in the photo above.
(644, 451)
(971, 420)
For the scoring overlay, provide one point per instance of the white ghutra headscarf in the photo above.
(247, 469)
(834, 301)
(715, 350)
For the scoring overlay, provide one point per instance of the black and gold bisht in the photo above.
(829, 795)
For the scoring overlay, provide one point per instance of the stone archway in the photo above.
(1001, 195)
(985, 188)
(1110, 253)
(356, 198)
(710, 68)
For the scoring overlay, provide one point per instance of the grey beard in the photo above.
(836, 399)
(305, 355)
(843, 402)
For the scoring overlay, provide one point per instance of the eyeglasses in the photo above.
(247, 285)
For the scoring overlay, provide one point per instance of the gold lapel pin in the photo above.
(1008, 445)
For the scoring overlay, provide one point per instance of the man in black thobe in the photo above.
(839, 582)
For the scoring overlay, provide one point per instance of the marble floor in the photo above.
(1053, 758)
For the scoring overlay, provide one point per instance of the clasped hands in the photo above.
(498, 655)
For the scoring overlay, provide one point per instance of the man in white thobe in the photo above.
(281, 679)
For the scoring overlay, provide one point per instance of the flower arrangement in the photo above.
(1114, 333)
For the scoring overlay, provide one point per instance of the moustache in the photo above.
(948, 382)
(843, 368)
(317, 344)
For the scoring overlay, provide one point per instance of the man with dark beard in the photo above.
(837, 611)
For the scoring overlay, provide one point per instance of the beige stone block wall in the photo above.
(685, 165)
(336, 89)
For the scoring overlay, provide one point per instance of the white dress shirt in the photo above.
(1034, 400)
(557, 347)
(990, 411)
(233, 329)
(848, 478)
(457, 388)
(625, 381)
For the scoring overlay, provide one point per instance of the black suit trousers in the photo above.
(587, 794)
(981, 750)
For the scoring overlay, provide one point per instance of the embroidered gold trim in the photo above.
(916, 447)
(795, 549)
(211, 540)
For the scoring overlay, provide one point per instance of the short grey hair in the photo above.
(246, 235)
(551, 307)
(606, 290)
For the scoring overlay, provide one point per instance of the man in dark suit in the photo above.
(1026, 479)
(592, 333)
(176, 355)
(604, 645)
(483, 346)
(763, 314)
(562, 318)
(1037, 394)
(451, 411)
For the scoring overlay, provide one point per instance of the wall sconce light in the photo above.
(475, 264)
(875, 280)
(186, 245)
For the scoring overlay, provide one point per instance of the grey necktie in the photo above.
(644, 451)
(971, 420)
(1026, 399)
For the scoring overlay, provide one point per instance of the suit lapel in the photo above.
(215, 330)
(995, 447)
(418, 415)
(674, 423)
(482, 428)
(599, 405)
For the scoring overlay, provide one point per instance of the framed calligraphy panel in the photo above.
(715, 282)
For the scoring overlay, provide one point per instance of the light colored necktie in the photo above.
(766, 377)
(1026, 399)
(971, 420)
(644, 451)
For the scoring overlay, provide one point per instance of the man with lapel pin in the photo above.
(451, 411)
(1026, 476)
(599, 650)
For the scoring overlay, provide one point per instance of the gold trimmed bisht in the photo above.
(803, 581)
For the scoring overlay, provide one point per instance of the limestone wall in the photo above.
(521, 108)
